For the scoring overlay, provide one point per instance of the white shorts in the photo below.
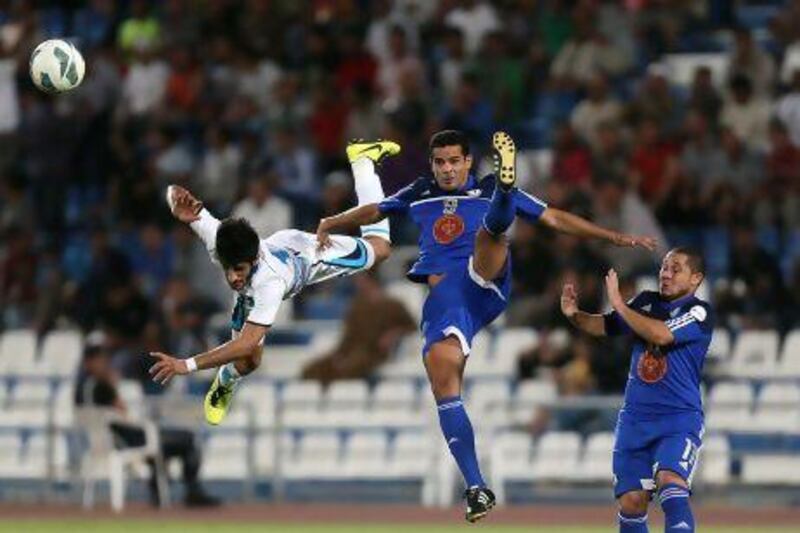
(346, 255)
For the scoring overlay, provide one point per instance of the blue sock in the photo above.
(501, 212)
(632, 523)
(457, 430)
(677, 512)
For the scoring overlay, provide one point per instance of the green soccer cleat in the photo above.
(218, 400)
(505, 168)
(376, 150)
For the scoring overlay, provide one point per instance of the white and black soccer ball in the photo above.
(56, 66)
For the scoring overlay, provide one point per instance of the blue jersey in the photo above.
(666, 379)
(449, 220)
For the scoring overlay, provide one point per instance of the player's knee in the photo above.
(667, 477)
(634, 503)
(251, 362)
(381, 247)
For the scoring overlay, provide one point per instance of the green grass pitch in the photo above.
(126, 526)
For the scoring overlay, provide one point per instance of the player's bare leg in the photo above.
(632, 514)
(491, 244)
(444, 363)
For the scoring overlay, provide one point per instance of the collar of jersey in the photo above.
(679, 302)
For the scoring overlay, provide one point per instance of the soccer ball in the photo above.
(56, 66)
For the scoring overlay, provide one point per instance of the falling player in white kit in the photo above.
(264, 272)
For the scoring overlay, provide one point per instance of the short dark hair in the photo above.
(449, 138)
(236, 242)
(694, 258)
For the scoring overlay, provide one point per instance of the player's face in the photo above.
(450, 167)
(236, 276)
(676, 279)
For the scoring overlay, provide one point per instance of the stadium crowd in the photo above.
(250, 104)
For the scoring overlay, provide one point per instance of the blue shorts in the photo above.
(462, 303)
(646, 445)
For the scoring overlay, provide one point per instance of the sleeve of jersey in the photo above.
(399, 202)
(614, 323)
(692, 325)
(267, 300)
(528, 206)
(206, 228)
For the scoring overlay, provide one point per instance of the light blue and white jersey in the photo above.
(288, 261)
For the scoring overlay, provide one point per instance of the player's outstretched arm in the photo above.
(241, 347)
(351, 219)
(566, 222)
(587, 322)
(649, 329)
(184, 206)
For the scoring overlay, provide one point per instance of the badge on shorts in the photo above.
(652, 366)
(448, 228)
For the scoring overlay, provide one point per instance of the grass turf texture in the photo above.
(125, 526)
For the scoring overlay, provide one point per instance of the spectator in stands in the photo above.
(742, 168)
(653, 165)
(97, 386)
(704, 97)
(749, 60)
(451, 68)
(788, 108)
(368, 337)
(18, 289)
(746, 114)
(586, 53)
(571, 158)
(779, 200)
(266, 212)
(503, 77)
(610, 154)
(657, 101)
(701, 155)
(475, 19)
(596, 109)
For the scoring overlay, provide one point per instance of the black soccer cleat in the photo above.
(480, 501)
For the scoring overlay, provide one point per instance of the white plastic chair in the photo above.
(102, 460)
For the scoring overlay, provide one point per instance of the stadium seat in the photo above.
(729, 406)
(260, 398)
(487, 397)
(556, 456)
(345, 404)
(777, 409)
(18, 352)
(132, 393)
(318, 457)
(396, 404)
(406, 361)
(397, 392)
(31, 393)
(720, 348)
(755, 355)
(530, 396)
(62, 351)
(64, 405)
(715, 460)
(771, 469)
(366, 456)
(789, 365)
(225, 456)
(11, 458)
(683, 67)
(508, 345)
(510, 460)
(595, 465)
(285, 362)
(37, 455)
(28, 416)
(300, 404)
(412, 455)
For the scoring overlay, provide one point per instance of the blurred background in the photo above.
(679, 119)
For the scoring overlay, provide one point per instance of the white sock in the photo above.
(369, 191)
(228, 375)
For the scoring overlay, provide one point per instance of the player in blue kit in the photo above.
(660, 426)
(465, 262)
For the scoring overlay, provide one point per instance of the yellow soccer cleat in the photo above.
(218, 399)
(504, 159)
(376, 150)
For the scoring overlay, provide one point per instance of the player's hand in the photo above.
(612, 289)
(569, 300)
(184, 206)
(166, 367)
(632, 241)
(323, 234)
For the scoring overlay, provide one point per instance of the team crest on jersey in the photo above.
(652, 366)
(448, 228)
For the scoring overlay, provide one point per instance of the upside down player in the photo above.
(465, 262)
(265, 272)
(660, 426)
